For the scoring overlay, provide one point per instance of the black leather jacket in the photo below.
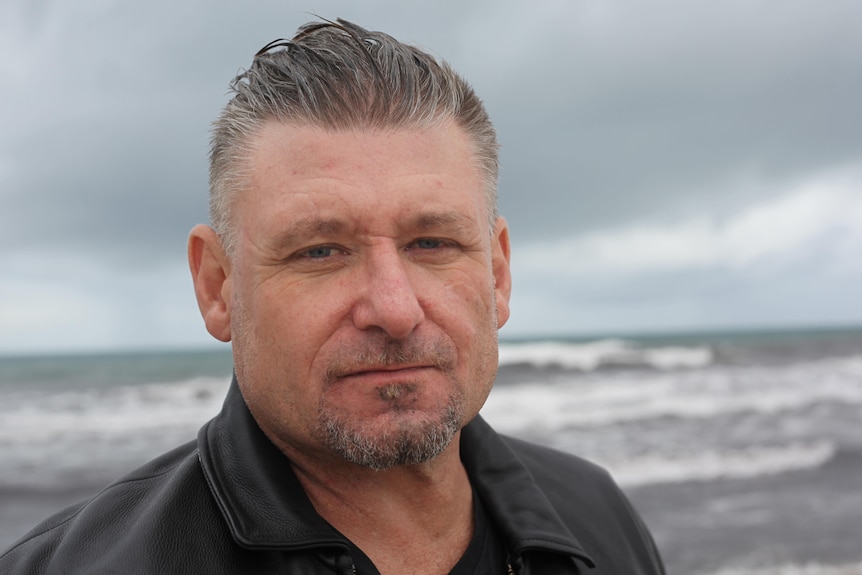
(230, 503)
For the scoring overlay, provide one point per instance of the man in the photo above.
(358, 266)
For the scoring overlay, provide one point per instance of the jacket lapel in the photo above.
(256, 489)
(520, 508)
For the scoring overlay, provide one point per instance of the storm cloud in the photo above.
(665, 165)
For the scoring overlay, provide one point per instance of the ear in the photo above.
(500, 253)
(210, 269)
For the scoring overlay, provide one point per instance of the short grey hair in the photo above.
(339, 76)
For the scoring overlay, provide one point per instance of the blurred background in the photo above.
(683, 183)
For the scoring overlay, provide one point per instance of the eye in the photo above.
(318, 252)
(428, 244)
(433, 250)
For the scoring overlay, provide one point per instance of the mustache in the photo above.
(387, 352)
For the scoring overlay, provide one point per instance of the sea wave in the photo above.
(94, 434)
(594, 355)
(106, 412)
(679, 418)
(725, 464)
(595, 401)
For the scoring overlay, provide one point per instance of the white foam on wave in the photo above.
(726, 464)
(614, 398)
(792, 569)
(593, 355)
(44, 439)
(118, 410)
(545, 407)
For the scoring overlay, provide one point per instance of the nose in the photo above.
(387, 298)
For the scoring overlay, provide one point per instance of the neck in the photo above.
(425, 512)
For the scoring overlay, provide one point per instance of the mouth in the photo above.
(386, 371)
(390, 368)
(394, 384)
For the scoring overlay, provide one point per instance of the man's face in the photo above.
(365, 291)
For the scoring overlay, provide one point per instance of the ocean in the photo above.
(742, 451)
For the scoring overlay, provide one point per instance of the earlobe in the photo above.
(211, 276)
(500, 255)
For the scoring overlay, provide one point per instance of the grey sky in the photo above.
(665, 165)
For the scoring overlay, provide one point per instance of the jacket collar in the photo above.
(254, 485)
(265, 506)
(517, 504)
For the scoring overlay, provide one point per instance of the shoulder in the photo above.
(136, 511)
(590, 503)
(559, 471)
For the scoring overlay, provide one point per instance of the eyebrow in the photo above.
(311, 227)
(430, 221)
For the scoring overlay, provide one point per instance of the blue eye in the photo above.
(428, 244)
(319, 252)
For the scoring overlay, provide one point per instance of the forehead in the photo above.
(298, 172)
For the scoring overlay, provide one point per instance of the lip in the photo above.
(386, 371)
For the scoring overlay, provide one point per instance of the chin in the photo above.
(397, 437)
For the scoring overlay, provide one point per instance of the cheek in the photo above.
(466, 313)
(286, 308)
(474, 308)
(470, 301)
(296, 321)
